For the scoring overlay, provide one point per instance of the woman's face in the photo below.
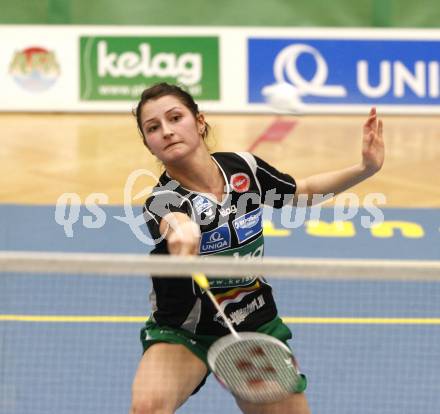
(170, 129)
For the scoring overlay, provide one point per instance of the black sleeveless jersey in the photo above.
(232, 227)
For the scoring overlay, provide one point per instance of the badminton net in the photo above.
(365, 332)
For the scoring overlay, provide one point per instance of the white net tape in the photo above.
(165, 265)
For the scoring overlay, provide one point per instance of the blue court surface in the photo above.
(70, 344)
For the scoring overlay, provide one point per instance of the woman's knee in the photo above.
(294, 404)
(151, 404)
(166, 377)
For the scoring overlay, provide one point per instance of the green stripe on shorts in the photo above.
(199, 345)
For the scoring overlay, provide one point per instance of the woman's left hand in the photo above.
(373, 150)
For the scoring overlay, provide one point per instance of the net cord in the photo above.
(175, 266)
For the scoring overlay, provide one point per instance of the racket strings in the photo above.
(255, 369)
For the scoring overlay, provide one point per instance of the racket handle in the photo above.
(201, 280)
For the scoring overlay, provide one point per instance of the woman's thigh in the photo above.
(167, 375)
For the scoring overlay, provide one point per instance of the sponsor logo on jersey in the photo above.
(215, 240)
(248, 225)
(236, 296)
(228, 210)
(238, 316)
(240, 182)
(203, 205)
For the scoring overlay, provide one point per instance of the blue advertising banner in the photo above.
(346, 72)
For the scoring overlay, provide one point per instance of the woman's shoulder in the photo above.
(237, 159)
(166, 191)
(239, 156)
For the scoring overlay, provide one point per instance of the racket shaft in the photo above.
(223, 315)
(203, 282)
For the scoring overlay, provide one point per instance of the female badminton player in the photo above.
(208, 204)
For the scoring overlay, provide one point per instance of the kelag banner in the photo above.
(347, 72)
(120, 68)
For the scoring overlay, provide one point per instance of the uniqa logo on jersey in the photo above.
(344, 71)
(215, 240)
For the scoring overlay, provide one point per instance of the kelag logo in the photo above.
(120, 68)
(397, 72)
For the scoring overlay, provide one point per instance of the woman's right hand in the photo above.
(181, 233)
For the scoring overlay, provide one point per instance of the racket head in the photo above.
(256, 368)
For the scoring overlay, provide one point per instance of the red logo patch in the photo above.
(240, 182)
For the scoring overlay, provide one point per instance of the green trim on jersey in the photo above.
(253, 249)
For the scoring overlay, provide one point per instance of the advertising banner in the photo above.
(226, 69)
(329, 72)
(121, 67)
(38, 69)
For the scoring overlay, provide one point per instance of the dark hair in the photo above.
(165, 89)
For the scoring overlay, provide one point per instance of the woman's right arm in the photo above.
(181, 233)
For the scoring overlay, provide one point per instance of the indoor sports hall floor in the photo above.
(71, 344)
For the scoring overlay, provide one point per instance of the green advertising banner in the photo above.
(116, 68)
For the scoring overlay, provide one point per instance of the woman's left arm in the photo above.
(335, 182)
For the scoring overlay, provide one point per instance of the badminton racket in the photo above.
(253, 366)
